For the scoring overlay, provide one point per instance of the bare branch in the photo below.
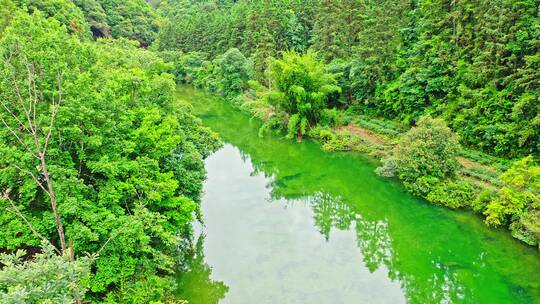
(38, 182)
(55, 110)
(35, 96)
(14, 116)
(30, 109)
(17, 212)
(112, 237)
(19, 96)
(18, 138)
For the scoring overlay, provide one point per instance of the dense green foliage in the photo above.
(64, 11)
(470, 64)
(518, 201)
(125, 160)
(428, 150)
(6, 10)
(226, 75)
(474, 63)
(425, 159)
(132, 19)
(97, 157)
(47, 278)
(301, 88)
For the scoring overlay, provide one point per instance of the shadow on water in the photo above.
(434, 255)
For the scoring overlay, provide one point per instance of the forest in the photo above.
(102, 166)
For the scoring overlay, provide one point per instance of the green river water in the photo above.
(288, 223)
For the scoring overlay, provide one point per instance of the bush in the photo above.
(338, 141)
(344, 142)
(332, 117)
(389, 168)
(452, 194)
(482, 200)
(424, 156)
(527, 225)
(427, 150)
(519, 194)
(323, 133)
(301, 87)
(46, 278)
(423, 185)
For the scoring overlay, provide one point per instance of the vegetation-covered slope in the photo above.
(95, 158)
(472, 62)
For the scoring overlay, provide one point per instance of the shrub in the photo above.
(344, 142)
(520, 193)
(482, 200)
(332, 117)
(46, 278)
(427, 150)
(388, 169)
(301, 87)
(423, 185)
(527, 225)
(424, 156)
(452, 194)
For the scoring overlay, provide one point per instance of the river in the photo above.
(285, 222)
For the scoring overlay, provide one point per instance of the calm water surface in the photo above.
(288, 223)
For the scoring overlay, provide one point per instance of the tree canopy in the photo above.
(472, 63)
(97, 123)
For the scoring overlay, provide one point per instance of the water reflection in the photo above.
(427, 269)
(374, 241)
(194, 280)
(433, 255)
(330, 212)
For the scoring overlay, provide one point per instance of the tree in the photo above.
(518, 201)
(132, 19)
(46, 278)
(336, 28)
(374, 60)
(7, 10)
(301, 87)
(124, 161)
(424, 156)
(95, 16)
(64, 11)
(234, 73)
(29, 112)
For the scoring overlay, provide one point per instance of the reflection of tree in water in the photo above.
(194, 281)
(330, 212)
(373, 237)
(374, 241)
(438, 283)
(442, 286)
